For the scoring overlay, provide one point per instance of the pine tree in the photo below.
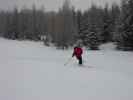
(83, 27)
(8, 26)
(115, 20)
(15, 23)
(66, 22)
(126, 29)
(90, 28)
(106, 25)
(92, 38)
(79, 25)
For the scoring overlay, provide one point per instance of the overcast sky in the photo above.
(52, 4)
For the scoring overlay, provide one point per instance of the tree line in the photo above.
(67, 26)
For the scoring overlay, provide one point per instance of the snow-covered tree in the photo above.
(67, 27)
(125, 41)
(91, 27)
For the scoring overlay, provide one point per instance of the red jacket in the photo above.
(77, 52)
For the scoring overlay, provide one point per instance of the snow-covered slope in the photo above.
(31, 71)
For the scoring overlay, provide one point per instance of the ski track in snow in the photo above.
(31, 71)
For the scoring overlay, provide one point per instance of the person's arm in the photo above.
(73, 54)
(81, 51)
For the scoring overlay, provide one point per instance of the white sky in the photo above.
(52, 4)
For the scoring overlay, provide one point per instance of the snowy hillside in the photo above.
(30, 71)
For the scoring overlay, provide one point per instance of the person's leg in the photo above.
(80, 60)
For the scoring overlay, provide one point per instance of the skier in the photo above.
(78, 53)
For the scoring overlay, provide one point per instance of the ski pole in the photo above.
(68, 61)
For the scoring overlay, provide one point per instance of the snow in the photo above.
(31, 71)
(108, 46)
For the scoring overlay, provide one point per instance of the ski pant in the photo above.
(80, 60)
